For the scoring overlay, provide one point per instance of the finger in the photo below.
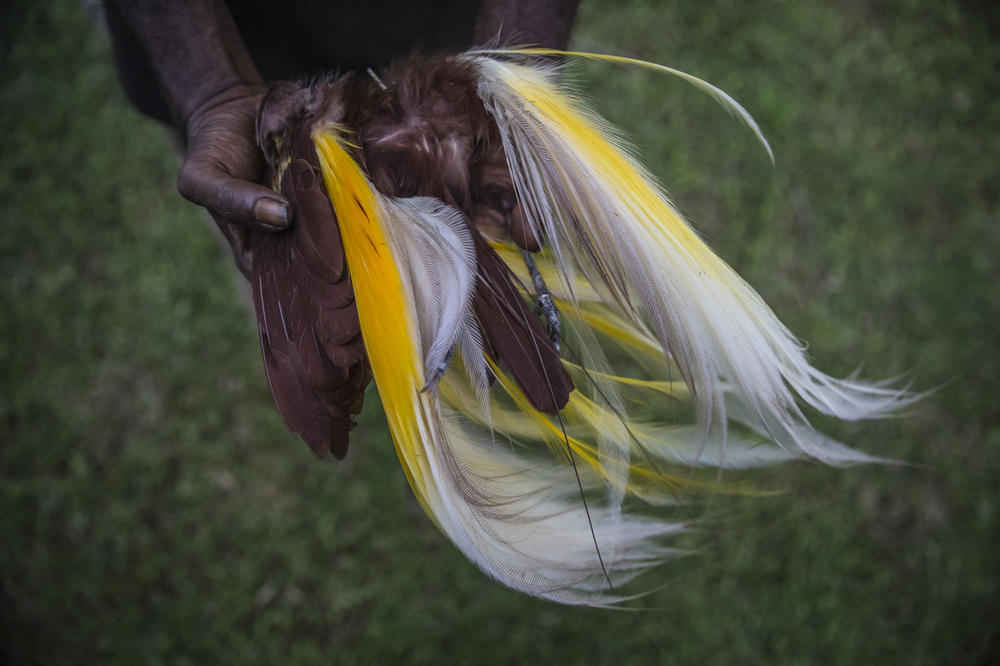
(207, 184)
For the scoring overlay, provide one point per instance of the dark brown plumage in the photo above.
(421, 130)
(309, 331)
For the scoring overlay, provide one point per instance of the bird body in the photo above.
(462, 193)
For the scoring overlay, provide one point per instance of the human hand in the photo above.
(223, 164)
(223, 167)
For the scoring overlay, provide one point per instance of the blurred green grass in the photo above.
(154, 510)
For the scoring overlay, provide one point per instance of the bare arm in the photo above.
(212, 90)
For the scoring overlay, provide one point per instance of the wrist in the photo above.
(194, 52)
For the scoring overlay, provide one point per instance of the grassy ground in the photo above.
(154, 510)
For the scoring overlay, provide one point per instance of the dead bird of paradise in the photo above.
(548, 336)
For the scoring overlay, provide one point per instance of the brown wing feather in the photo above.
(515, 334)
(310, 335)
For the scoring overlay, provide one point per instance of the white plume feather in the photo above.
(602, 212)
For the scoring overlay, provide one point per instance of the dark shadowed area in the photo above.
(153, 508)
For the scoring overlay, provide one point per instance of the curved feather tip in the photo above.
(725, 100)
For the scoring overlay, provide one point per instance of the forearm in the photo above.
(193, 49)
(526, 22)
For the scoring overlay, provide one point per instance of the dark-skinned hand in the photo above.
(223, 167)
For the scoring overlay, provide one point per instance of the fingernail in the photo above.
(271, 212)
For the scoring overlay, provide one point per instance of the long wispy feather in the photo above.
(602, 212)
(721, 96)
(673, 364)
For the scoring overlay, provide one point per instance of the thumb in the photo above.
(205, 181)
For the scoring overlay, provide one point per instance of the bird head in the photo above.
(288, 113)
